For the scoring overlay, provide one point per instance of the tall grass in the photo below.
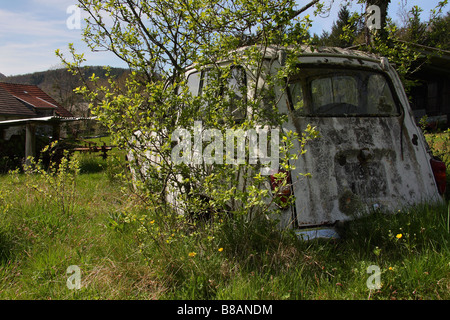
(256, 261)
(39, 241)
(125, 250)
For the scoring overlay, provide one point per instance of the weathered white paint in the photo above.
(359, 163)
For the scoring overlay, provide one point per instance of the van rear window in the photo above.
(342, 92)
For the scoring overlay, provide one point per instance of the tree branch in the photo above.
(304, 8)
(152, 38)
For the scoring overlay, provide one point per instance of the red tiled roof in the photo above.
(35, 97)
(11, 106)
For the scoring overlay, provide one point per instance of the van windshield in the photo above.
(341, 92)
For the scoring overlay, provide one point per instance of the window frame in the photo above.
(340, 70)
(203, 74)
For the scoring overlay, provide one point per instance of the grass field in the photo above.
(122, 252)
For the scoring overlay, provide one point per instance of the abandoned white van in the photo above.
(370, 153)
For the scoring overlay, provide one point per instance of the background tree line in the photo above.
(349, 30)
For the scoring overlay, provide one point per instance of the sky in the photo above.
(32, 30)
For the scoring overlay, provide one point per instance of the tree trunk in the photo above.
(383, 5)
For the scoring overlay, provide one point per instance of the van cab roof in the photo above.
(279, 52)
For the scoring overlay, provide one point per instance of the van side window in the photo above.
(341, 92)
(236, 84)
(193, 83)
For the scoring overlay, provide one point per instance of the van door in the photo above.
(369, 154)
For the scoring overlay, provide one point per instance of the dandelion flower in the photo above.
(192, 254)
(398, 236)
(390, 268)
(220, 249)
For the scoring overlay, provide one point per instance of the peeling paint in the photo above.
(350, 203)
(362, 161)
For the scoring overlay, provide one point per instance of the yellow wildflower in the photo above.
(220, 249)
(398, 236)
(192, 254)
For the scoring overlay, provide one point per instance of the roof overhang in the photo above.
(42, 120)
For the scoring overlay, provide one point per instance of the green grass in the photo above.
(38, 242)
(126, 251)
